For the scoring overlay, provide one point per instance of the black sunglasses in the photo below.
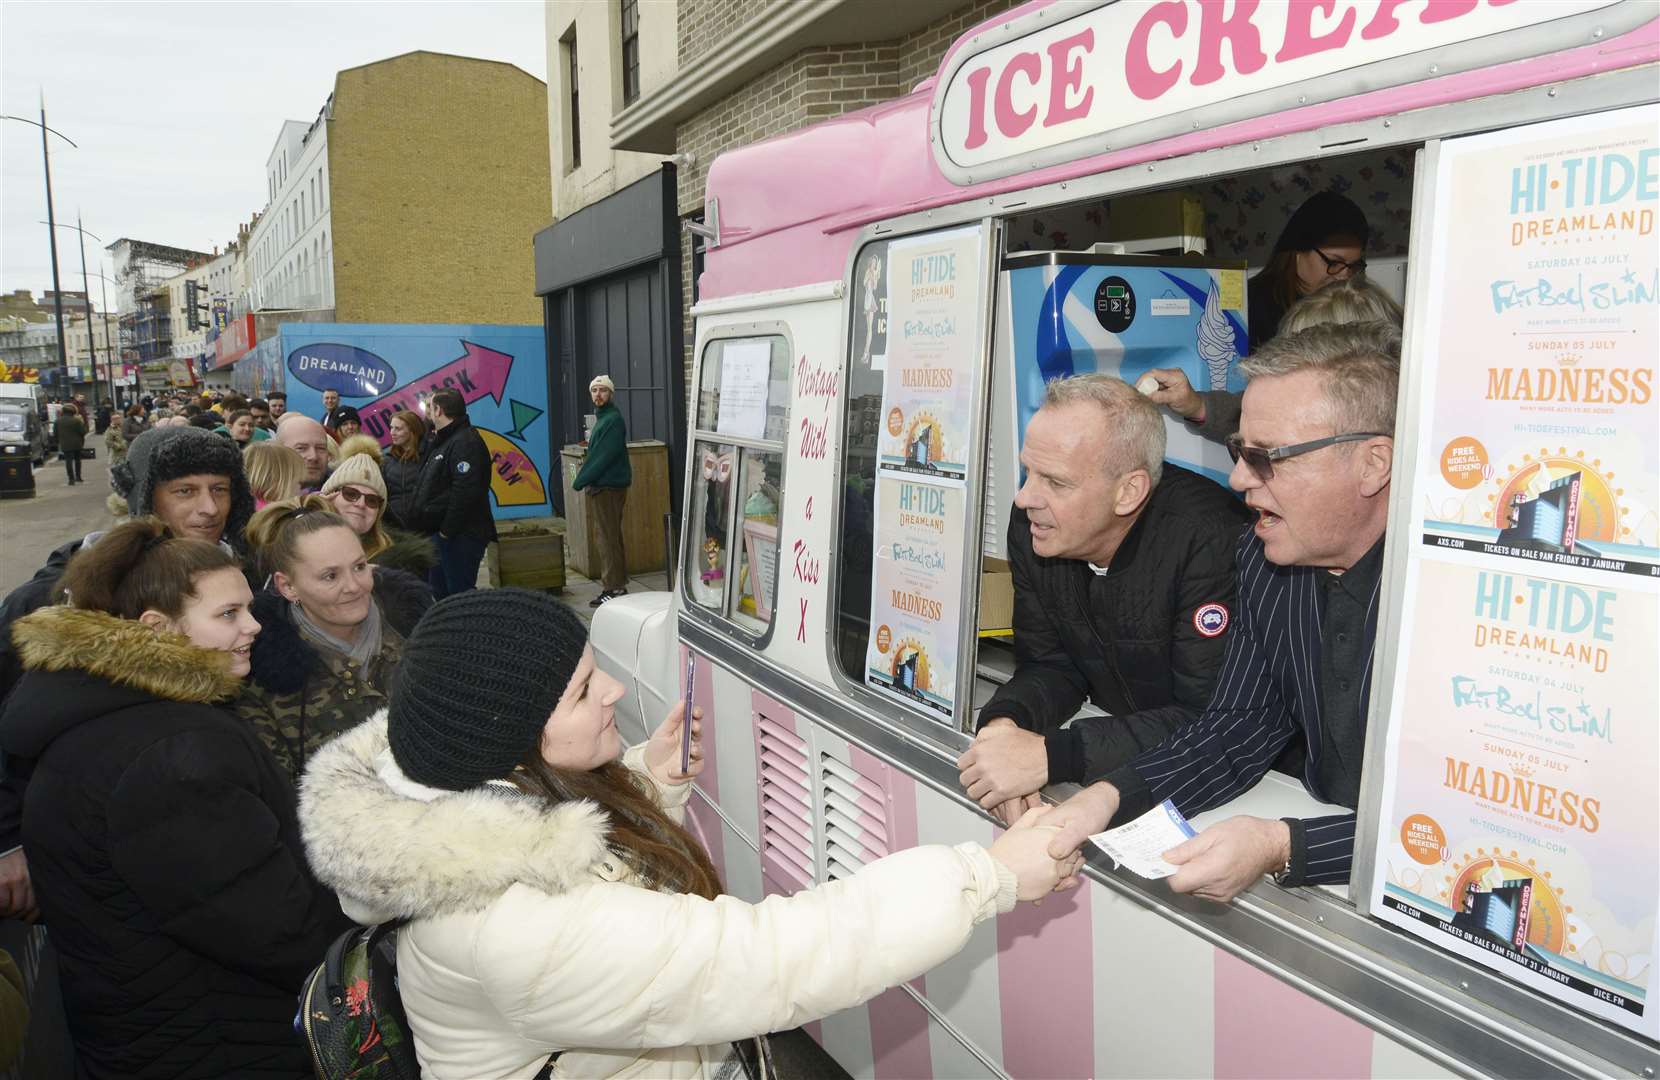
(1337, 266)
(1260, 460)
(370, 499)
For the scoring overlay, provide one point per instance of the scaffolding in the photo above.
(146, 316)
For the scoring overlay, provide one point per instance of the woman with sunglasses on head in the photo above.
(334, 629)
(163, 842)
(557, 902)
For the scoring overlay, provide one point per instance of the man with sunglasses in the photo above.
(1123, 568)
(1313, 460)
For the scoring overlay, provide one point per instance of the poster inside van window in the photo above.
(916, 592)
(1518, 820)
(1543, 438)
(935, 287)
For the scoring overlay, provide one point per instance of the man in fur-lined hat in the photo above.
(189, 478)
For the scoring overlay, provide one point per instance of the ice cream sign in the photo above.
(1070, 80)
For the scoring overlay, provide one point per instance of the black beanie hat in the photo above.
(1324, 215)
(478, 678)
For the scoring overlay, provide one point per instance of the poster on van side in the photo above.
(933, 339)
(1519, 818)
(1542, 437)
(916, 592)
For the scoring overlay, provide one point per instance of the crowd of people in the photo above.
(270, 703)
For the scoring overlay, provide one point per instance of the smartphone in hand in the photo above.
(686, 717)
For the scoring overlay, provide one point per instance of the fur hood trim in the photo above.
(125, 652)
(394, 856)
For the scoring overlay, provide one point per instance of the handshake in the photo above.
(1044, 846)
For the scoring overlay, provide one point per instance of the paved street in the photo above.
(31, 528)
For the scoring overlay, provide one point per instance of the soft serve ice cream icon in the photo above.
(1215, 340)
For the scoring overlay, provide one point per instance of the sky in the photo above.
(175, 107)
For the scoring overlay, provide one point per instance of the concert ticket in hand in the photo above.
(1140, 845)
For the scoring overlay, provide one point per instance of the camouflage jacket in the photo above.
(298, 696)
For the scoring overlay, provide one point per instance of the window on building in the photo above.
(573, 137)
(731, 545)
(630, 51)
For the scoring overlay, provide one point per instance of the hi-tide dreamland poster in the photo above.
(935, 285)
(1519, 814)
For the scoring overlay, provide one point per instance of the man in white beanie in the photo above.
(605, 476)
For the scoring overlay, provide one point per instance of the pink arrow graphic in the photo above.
(478, 373)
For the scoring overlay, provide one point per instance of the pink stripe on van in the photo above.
(703, 822)
(899, 1036)
(1265, 1027)
(1047, 992)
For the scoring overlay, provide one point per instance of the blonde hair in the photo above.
(1355, 300)
(1360, 363)
(274, 533)
(1135, 430)
(274, 471)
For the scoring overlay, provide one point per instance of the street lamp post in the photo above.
(86, 291)
(51, 233)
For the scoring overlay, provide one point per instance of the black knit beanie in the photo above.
(1322, 217)
(478, 679)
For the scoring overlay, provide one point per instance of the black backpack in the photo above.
(350, 1015)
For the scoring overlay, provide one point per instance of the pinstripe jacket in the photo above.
(1267, 694)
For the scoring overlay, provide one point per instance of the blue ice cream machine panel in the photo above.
(1065, 313)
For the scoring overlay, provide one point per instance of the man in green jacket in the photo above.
(605, 476)
(71, 433)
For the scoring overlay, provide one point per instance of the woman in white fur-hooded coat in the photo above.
(557, 906)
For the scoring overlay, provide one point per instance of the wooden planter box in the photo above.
(532, 562)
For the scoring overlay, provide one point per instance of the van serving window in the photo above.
(737, 479)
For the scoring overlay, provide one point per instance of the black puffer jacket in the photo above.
(402, 475)
(452, 496)
(165, 853)
(1144, 641)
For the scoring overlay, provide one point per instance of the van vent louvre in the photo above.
(786, 804)
(855, 818)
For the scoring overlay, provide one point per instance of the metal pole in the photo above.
(91, 335)
(104, 315)
(52, 235)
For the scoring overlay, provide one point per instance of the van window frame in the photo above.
(950, 738)
(689, 605)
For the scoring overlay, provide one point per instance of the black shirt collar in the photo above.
(1361, 579)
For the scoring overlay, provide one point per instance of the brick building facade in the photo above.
(438, 171)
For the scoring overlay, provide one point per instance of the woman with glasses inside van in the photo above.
(334, 629)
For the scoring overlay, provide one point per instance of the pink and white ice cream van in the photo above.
(1086, 186)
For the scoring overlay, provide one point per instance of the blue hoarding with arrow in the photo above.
(382, 369)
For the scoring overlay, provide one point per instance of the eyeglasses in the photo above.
(1337, 266)
(1260, 460)
(370, 499)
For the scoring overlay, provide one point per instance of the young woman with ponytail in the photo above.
(334, 629)
(162, 838)
(556, 903)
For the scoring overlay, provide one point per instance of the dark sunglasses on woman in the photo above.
(370, 499)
